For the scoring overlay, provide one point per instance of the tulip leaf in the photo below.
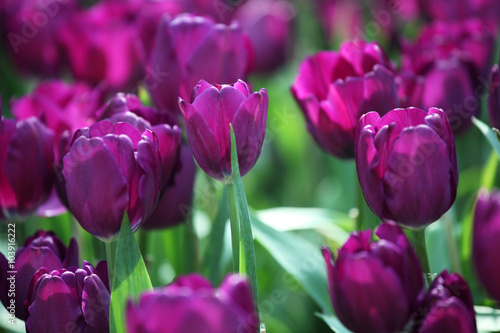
(299, 258)
(130, 277)
(334, 323)
(490, 134)
(488, 319)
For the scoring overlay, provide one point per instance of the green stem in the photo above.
(216, 241)
(421, 250)
(190, 245)
(452, 246)
(361, 207)
(110, 257)
(234, 218)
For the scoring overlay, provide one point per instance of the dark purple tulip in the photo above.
(69, 300)
(410, 89)
(407, 165)
(189, 49)
(494, 98)
(269, 25)
(122, 165)
(375, 287)
(454, 59)
(460, 10)
(334, 89)
(44, 249)
(486, 245)
(207, 119)
(447, 307)
(102, 44)
(193, 305)
(175, 204)
(26, 166)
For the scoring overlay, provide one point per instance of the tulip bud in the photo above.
(447, 307)
(375, 287)
(194, 306)
(69, 300)
(334, 89)
(43, 249)
(494, 98)
(26, 166)
(122, 165)
(407, 165)
(207, 119)
(486, 245)
(189, 49)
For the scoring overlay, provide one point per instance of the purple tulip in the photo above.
(175, 204)
(447, 307)
(269, 25)
(486, 245)
(334, 89)
(342, 18)
(207, 119)
(26, 166)
(122, 165)
(43, 249)
(486, 10)
(494, 98)
(102, 44)
(194, 306)
(69, 300)
(375, 287)
(190, 48)
(407, 165)
(454, 58)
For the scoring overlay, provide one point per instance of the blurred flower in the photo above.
(334, 89)
(175, 204)
(375, 287)
(486, 245)
(26, 166)
(103, 44)
(121, 164)
(447, 307)
(69, 300)
(494, 98)
(410, 88)
(207, 120)
(407, 165)
(190, 48)
(339, 18)
(460, 10)
(31, 28)
(194, 306)
(43, 249)
(269, 25)
(454, 59)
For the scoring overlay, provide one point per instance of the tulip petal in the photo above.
(448, 316)
(95, 304)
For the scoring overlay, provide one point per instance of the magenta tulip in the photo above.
(407, 165)
(213, 109)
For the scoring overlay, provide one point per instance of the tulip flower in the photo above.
(485, 241)
(213, 109)
(194, 306)
(43, 249)
(407, 165)
(174, 206)
(189, 49)
(494, 98)
(375, 287)
(334, 89)
(454, 58)
(121, 165)
(460, 10)
(69, 300)
(447, 307)
(26, 166)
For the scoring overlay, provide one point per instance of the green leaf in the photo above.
(301, 259)
(488, 319)
(130, 277)
(489, 133)
(334, 323)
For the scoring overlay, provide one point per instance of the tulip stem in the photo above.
(110, 258)
(361, 208)
(234, 218)
(421, 250)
